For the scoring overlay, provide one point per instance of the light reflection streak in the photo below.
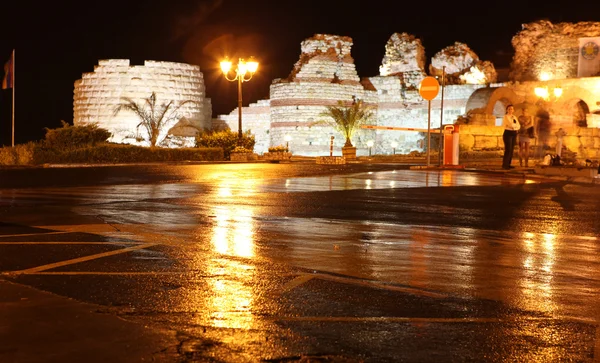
(536, 283)
(229, 295)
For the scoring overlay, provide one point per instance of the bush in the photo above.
(226, 139)
(23, 154)
(37, 153)
(116, 153)
(70, 137)
(241, 149)
(279, 148)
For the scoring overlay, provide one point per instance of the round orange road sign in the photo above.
(429, 88)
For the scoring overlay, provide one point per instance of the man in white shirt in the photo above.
(509, 137)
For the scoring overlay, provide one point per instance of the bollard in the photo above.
(331, 147)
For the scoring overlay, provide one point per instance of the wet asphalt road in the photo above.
(300, 262)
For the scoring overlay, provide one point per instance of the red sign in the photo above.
(429, 88)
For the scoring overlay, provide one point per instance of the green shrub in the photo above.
(70, 137)
(241, 149)
(279, 148)
(116, 153)
(37, 153)
(23, 154)
(226, 139)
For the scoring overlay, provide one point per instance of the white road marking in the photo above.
(78, 260)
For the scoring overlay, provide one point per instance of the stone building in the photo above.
(98, 93)
(325, 73)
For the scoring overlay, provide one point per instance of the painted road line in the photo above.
(32, 234)
(116, 273)
(381, 285)
(71, 243)
(296, 282)
(78, 260)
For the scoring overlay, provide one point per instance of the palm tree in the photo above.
(347, 119)
(153, 118)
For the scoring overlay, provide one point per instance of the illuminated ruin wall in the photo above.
(98, 93)
(325, 73)
(549, 51)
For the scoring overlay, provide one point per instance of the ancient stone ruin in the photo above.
(546, 51)
(97, 94)
(462, 66)
(405, 58)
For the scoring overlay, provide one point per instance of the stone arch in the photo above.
(572, 112)
(573, 94)
(489, 100)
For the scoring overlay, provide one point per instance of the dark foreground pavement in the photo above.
(282, 263)
(38, 326)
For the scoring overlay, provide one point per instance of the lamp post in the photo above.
(287, 143)
(394, 146)
(370, 145)
(244, 70)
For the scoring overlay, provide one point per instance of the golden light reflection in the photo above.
(536, 284)
(368, 183)
(233, 233)
(228, 295)
(447, 179)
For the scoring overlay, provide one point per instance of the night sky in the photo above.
(57, 41)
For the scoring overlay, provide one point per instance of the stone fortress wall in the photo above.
(98, 93)
(325, 73)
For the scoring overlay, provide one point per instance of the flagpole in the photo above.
(13, 98)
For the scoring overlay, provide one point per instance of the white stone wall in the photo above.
(255, 118)
(98, 93)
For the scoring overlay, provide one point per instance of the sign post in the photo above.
(428, 89)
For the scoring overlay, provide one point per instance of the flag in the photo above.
(9, 70)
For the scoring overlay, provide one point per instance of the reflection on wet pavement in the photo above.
(221, 243)
(389, 179)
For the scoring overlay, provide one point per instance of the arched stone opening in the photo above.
(572, 113)
(492, 101)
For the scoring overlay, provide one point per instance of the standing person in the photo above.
(509, 137)
(559, 141)
(524, 136)
(543, 132)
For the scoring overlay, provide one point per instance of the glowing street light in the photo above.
(370, 145)
(394, 146)
(544, 92)
(244, 71)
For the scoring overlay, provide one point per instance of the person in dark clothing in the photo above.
(509, 137)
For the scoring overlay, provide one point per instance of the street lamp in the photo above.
(244, 71)
(394, 146)
(287, 142)
(370, 145)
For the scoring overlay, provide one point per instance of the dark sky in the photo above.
(57, 41)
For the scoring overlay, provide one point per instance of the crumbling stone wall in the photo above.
(404, 58)
(544, 50)
(462, 66)
(97, 94)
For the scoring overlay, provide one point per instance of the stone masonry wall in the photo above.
(256, 118)
(583, 141)
(551, 51)
(97, 94)
(398, 107)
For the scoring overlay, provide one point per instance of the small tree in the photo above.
(153, 118)
(347, 119)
